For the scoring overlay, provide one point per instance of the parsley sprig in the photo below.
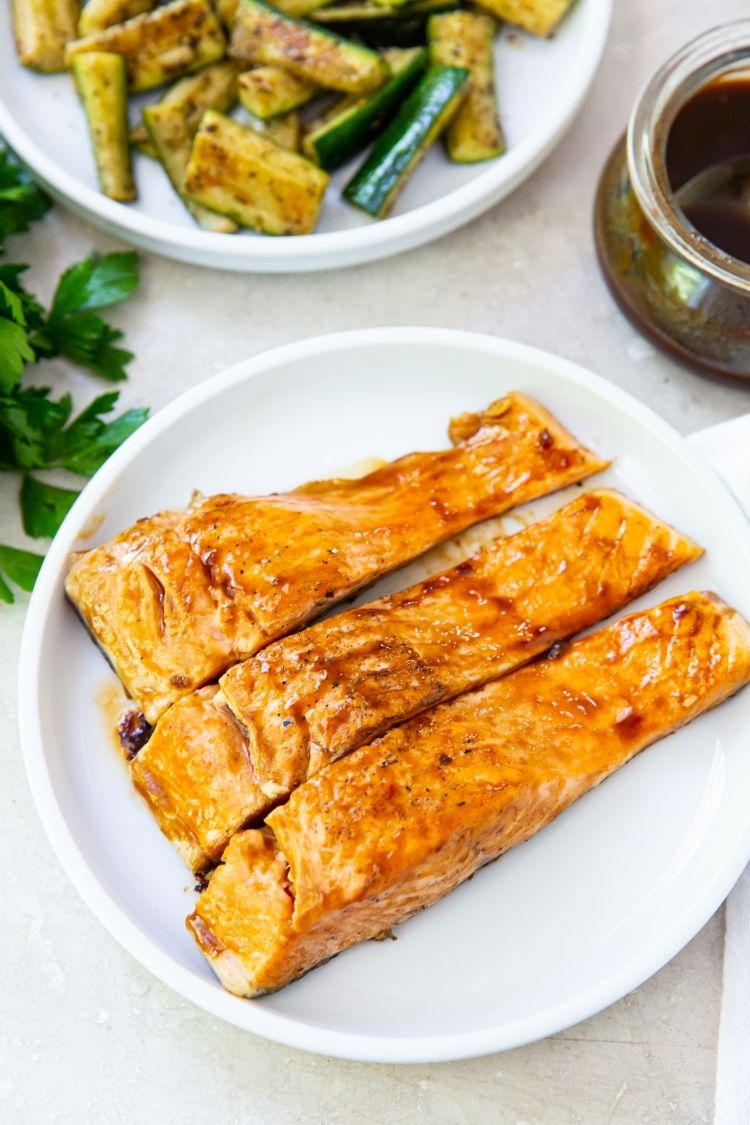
(37, 430)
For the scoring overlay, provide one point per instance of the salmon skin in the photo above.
(179, 597)
(395, 826)
(311, 698)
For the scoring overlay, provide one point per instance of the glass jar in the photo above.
(688, 296)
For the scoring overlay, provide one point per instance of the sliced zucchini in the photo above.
(98, 14)
(540, 17)
(213, 87)
(396, 153)
(102, 87)
(381, 26)
(261, 34)
(157, 46)
(169, 130)
(227, 9)
(352, 123)
(268, 91)
(285, 131)
(250, 179)
(367, 11)
(42, 30)
(465, 39)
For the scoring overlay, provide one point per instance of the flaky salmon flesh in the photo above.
(179, 597)
(396, 825)
(219, 760)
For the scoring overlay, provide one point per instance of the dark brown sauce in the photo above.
(711, 129)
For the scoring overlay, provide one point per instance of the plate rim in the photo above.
(205, 994)
(332, 249)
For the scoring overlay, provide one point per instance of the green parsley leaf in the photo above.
(89, 341)
(21, 567)
(33, 315)
(95, 283)
(15, 353)
(44, 507)
(88, 441)
(29, 420)
(21, 201)
(81, 335)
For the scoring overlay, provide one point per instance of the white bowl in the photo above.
(558, 928)
(541, 85)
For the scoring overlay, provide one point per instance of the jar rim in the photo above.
(711, 54)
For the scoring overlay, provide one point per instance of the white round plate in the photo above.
(561, 926)
(541, 86)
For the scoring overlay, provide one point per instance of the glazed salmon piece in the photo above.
(178, 598)
(398, 824)
(209, 781)
(311, 698)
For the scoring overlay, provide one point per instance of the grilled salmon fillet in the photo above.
(398, 824)
(310, 698)
(178, 598)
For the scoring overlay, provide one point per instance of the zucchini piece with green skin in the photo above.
(227, 9)
(42, 30)
(261, 34)
(171, 136)
(367, 11)
(465, 39)
(352, 123)
(102, 87)
(160, 45)
(213, 87)
(99, 14)
(396, 153)
(383, 27)
(268, 91)
(250, 179)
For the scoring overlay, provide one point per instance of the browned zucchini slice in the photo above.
(253, 181)
(465, 39)
(261, 34)
(268, 91)
(102, 87)
(157, 46)
(43, 29)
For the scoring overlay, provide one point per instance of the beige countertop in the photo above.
(87, 1036)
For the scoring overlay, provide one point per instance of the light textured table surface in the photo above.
(86, 1035)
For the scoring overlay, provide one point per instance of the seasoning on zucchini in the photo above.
(98, 14)
(169, 130)
(178, 37)
(261, 34)
(540, 17)
(139, 139)
(250, 179)
(396, 153)
(465, 39)
(102, 87)
(351, 124)
(268, 91)
(43, 29)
